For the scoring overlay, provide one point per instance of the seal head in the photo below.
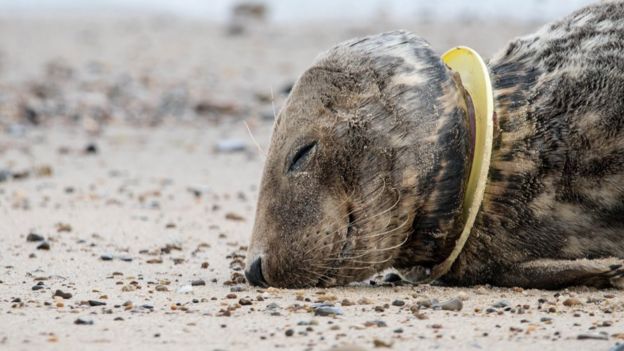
(367, 166)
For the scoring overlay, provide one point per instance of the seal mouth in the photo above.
(328, 278)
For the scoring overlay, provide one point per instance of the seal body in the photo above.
(370, 157)
(555, 189)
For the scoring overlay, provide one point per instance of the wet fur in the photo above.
(386, 184)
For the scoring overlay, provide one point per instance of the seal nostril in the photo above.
(254, 274)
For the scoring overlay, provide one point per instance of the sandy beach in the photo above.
(128, 180)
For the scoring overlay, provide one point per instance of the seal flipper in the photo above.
(555, 274)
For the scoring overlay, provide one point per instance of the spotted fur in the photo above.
(384, 183)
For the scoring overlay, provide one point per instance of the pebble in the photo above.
(501, 304)
(450, 305)
(198, 282)
(83, 321)
(106, 257)
(43, 246)
(161, 287)
(91, 149)
(244, 302)
(381, 343)
(398, 303)
(617, 347)
(272, 306)
(94, 303)
(33, 237)
(572, 301)
(592, 337)
(289, 332)
(62, 294)
(326, 310)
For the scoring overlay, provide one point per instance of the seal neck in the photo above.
(473, 80)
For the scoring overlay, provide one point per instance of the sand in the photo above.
(110, 128)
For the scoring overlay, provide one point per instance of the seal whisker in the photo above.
(348, 215)
(358, 221)
(253, 138)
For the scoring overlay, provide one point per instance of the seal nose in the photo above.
(254, 273)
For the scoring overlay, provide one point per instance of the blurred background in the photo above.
(94, 62)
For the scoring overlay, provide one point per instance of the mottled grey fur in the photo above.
(387, 129)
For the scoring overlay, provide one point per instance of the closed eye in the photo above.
(300, 160)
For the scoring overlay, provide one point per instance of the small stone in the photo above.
(592, 337)
(38, 287)
(289, 332)
(346, 302)
(380, 343)
(204, 265)
(198, 282)
(83, 321)
(161, 287)
(128, 288)
(450, 305)
(106, 257)
(376, 323)
(33, 237)
(62, 294)
(244, 302)
(63, 227)
(325, 310)
(95, 303)
(91, 149)
(43, 246)
(272, 306)
(398, 303)
(572, 301)
(234, 217)
(617, 347)
(501, 304)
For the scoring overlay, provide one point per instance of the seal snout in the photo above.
(254, 273)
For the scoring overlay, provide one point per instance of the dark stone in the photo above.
(91, 148)
(62, 294)
(83, 321)
(398, 303)
(33, 237)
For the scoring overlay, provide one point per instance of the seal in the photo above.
(372, 156)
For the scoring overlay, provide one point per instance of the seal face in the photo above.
(349, 165)
(370, 157)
